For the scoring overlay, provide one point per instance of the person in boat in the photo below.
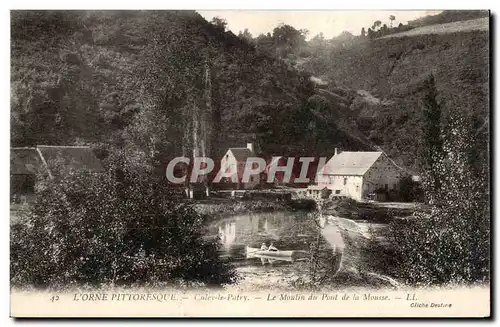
(263, 247)
(272, 247)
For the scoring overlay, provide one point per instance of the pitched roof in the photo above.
(28, 160)
(73, 157)
(241, 154)
(351, 163)
(24, 161)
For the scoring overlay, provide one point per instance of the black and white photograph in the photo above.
(250, 163)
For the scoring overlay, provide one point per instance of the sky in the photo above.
(330, 23)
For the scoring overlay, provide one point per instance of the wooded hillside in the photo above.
(131, 79)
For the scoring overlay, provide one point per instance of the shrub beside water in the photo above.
(114, 228)
(451, 243)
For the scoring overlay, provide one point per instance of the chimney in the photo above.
(250, 147)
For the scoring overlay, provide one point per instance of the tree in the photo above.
(286, 35)
(410, 191)
(120, 227)
(383, 30)
(370, 33)
(451, 242)
(345, 36)
(154, 89)
(363, 32)
(318, 38)
(325, 193)
(246, 35)
(318, 44)
(432, 146)
(392, 18)
(64, 105)
(376, 24)
(219, 22)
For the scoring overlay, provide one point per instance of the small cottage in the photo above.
(234, 161)
(361, 175)
(27, 162)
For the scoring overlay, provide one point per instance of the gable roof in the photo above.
(74, 157)
(241, 154)
(28, 160)
(351, 163)
(24, 161)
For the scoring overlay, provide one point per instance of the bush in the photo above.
(410, 190)
(325, 193)
(451, 244)
(440, 249)
(113, 228)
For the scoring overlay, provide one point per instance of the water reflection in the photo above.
(310, 247)
(291, 233)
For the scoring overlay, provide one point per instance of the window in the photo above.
(345, 180)
(386, 187)
(337, 191)
(227, 156)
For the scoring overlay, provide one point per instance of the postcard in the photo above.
(250, 163)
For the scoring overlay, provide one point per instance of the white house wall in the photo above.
(383, 172)
(229, 162)
(253, 179)
(347, 185)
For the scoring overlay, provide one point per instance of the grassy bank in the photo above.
(377, 212)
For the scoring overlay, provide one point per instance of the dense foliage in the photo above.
(393, 71)
(385, 78)
(449, 16)
(115, 228)
(452, 243)
(432, 142)
(128, 78)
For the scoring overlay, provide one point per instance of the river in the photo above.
(328, 252)
(314, 259)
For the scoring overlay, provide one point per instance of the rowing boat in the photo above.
(265, 253)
